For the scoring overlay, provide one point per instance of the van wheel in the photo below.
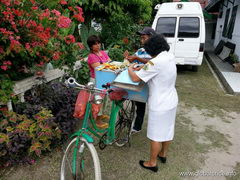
(195, 68)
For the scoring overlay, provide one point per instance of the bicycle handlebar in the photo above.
(90, 86)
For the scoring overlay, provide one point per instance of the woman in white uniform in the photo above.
(160, 74)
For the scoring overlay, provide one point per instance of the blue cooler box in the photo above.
(108, 76)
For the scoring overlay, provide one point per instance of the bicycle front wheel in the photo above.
(80, 161)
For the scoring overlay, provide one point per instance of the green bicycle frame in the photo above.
(116, 106)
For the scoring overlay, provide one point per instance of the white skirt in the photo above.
(161, 125)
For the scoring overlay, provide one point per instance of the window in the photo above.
(232, 22)
(224, 33)
(166, 26)
(188, 27)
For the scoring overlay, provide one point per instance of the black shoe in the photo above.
(154, 168)
(162, 159)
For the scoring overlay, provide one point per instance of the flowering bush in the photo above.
(32, 34)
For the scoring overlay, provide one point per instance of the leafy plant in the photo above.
(122, 33)
(24, 138)
(116, 54)
(234, 58)
(106, 11)
(83, 74)
(55, 97)
(6, 88)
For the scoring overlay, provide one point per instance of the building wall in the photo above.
(236, 32)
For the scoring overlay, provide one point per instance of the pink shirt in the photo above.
(93, 58)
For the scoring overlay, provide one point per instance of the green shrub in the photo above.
(116, 54)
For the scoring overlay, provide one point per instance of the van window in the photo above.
(166, 26)
(188, 27)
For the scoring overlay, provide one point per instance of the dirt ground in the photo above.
(206, 143)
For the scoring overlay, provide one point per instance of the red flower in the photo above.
(30, 23)
(5, 32)
(17, 2)
(79, 9)
(56, 56)
(78, 17)
(6, 2)
(15, 45)
(32, 1)
(4, 67)
(57, 13)
(7, 63)
(70, 8)
(27, 46)
(64, 22)
(125, 40)
(63, 2)
(34, 8)
(69, 39)
(41, 64)
(45, 14)
(80, 45)
(17, 12)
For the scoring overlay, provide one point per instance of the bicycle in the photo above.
(80, 159)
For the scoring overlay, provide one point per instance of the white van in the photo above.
(183, 25)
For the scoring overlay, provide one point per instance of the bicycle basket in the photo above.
(117, 94)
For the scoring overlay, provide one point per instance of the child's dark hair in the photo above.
(156, 44)
(93, 39)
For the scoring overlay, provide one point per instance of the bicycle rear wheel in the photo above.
(80, 161)
(125, 122)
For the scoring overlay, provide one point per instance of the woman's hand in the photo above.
(136, 66)
(132, 58)
(131, 66)
(132, 74)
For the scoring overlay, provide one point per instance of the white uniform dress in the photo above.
(160, 74)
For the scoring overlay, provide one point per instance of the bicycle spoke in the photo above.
(70, 166)
(124, 123)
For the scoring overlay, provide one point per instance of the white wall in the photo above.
(236, 32)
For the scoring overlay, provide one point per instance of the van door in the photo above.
(188, 37)
(167, 27)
